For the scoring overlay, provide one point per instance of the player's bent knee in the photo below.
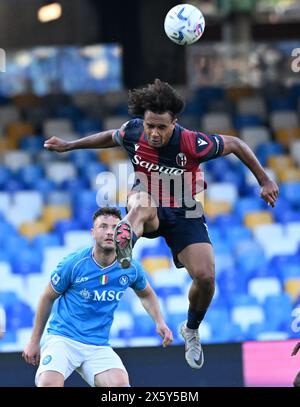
(202, 277)
(50, 379)
(112, 378)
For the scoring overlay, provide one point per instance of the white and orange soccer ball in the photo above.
(184, 24)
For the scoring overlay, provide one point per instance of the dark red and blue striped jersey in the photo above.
(170, 173)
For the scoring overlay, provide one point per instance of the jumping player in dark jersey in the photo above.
(166, 160)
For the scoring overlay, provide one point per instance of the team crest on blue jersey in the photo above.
(47, 359)
(181, 159)
(55, 279)
(85, 294)
(123, 280)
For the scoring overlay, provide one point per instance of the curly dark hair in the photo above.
(158, 97)
(107, 211)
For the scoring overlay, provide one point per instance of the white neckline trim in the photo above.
(99, 265)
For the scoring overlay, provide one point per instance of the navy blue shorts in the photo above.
(179, 231)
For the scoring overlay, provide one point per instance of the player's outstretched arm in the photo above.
(104, 139)
(31, 353)
(151, 305)
(269, 189)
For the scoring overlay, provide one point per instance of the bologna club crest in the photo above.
(181, 159)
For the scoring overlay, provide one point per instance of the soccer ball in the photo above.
(184, 24)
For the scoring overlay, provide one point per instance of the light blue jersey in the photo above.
(90, 295)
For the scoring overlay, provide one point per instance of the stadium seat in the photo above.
(291, 192)
(33, 229)
(255, 135)
(52, 256)
(19, 315)
(58, 198)
(279, 161)
(15, 159)
(53, 127)
(75, 239)
(17, 130)
(289, 174)
(32, 143)
(5, 202)
(247, 120)
(292, 230)
(235, 93)
(60, 171)
(264, 233)
(232, 282)
(222, 192)
(262, 287)
(41, 241)
(111, 155)
(254, 219)
(287, 137)
(30, 174)
(265, 150)
(30, 202)
(252, 105)
(278, 309)
(283, 119)
(245, 315)
(28, 261)
(214, 208)
(8, 114)
(53, 213)
(153, 264)
(216, 123)
(292, 287)
(230, 332)
(295, 151)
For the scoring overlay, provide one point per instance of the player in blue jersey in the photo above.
(88, 285)
(166, 160)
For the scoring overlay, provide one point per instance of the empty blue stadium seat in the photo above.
(30, 174)
(237, 233)
(228, 333)
(242, 300)
(91, 170)
(75, 185)
(63, 226)
(44, 186)
(13, 185)
(5, 175)
(245, 205)
(247, 120)
(26, 262)
(82, 157)
(45, 240)
(278, 309)
(226, 221)
(267, 149)
(232, 282)
(291, 191)
(19, 315)
(32, 143)
(217, 317)
(282, 103)
(87, 125)
(7, 298)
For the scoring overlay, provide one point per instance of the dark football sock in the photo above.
(194, 318)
